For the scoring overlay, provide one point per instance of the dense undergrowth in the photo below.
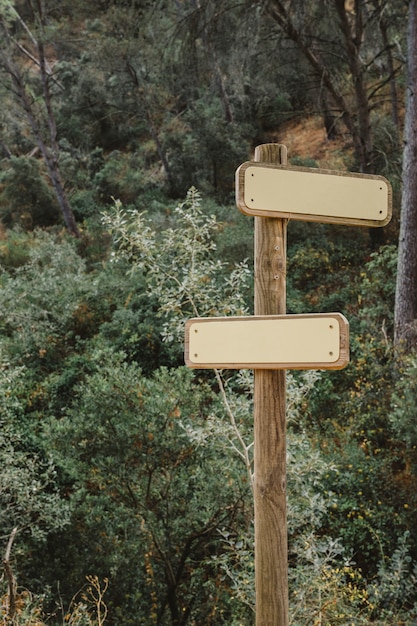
(122, 467)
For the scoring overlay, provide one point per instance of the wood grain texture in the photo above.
(269, 484)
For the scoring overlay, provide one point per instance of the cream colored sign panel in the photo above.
(318, 341)
(313, 195)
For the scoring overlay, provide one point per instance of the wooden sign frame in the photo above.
(311, 341)
(312, 194)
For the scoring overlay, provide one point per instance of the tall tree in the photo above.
(15, 54)
(350, 36)
(406, 288)
(384, 27)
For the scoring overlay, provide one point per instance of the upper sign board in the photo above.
(314, 195)
(311, 341)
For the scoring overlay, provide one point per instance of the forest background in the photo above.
(125, 488)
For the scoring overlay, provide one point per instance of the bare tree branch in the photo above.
(11, 580)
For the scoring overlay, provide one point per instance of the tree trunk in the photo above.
(353, 37)
(406, 289)
(48, 146)
(355, 117)
(11, 579)
(50, 155)
(329, 118)
(383, 27)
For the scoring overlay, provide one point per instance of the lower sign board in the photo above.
(314, 195)
(313, 341)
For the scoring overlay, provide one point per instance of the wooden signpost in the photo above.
(272, 341)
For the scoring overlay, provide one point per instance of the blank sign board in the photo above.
(314, 341)
(310, 194)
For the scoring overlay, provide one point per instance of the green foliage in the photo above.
(206, 150)
(86, 116)
(153, 465)
(87, 607)
(25, 199)
(14, 248)
(136, 330)
(395, 592)
(122, 177)
(118, 461)
(135, 122)
(7, 11)
(32, 328)
(30, 499)
(152, 486)
(323, 267)
(404, 404)
(367, 505)
(377, 292)
(179, 265)
(52, 303)
(403, 423)
(387, 152)
(353, 426)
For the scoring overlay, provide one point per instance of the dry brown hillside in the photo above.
(306, 139)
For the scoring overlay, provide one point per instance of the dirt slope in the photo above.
(306, 139)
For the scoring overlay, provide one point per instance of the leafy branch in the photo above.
(181, 273)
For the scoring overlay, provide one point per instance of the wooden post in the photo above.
(271, 551)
